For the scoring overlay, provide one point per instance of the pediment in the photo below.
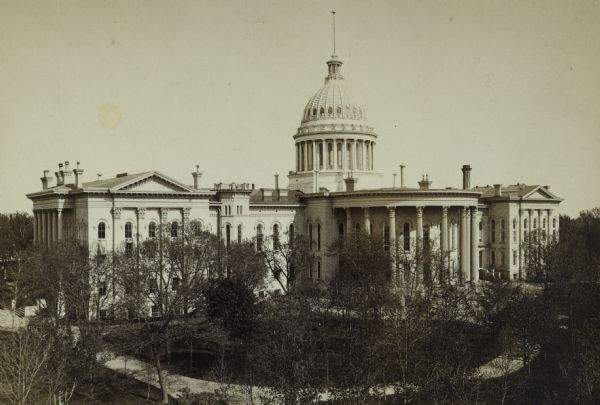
(539, 194)
(154, 183)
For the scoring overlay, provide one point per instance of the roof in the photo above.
(518, 191)
(114, 181)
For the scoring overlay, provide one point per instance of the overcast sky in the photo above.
(511, 88)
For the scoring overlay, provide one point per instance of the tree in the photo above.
(288, 262)
(16, 239)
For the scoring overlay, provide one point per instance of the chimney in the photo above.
(350, 182)
(99, 175)
(77, 174)
(59, 175)
(276, 181)
(402, 166)
(197, 175)
(424, 183)
(66, 173)
(466, 169)
(394, 183)
(45, 180)
(497, 190)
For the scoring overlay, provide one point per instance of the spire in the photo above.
(334, 64)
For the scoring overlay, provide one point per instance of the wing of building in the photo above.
(334, 190)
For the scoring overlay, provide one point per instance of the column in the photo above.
(353, 159)
(344, 154)
(464, 270)
(474, 245)
(454, 236)
(348, 222)
(304, 157)
(116, 215)
(140, 214)
(335, 159)
(185, 219)
(419, 250)
(59, 225)
(468, 256)
(35, 225)
(45, 233)
(372, 156)
(549, 227)
(392, 233)
(444, 231)
(313, 146)
(367, 220)
(54, 234)
(297, 158)
(444, 241)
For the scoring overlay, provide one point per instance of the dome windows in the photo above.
(339, 111)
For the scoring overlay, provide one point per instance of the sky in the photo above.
(510, 87)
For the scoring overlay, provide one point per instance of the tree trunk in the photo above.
(161, 378)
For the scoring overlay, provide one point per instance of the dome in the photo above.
(333, 101)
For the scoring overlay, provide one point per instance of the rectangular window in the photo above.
(318, 236)
(102, 289)
(310, 271)
(493, 258)
(155, 312)
(131, 314)
(102, 315)
(319, 270)
(386, 238)
(129, 247)
(175, 284)
(153, 284)
(514, 257)
(310, 236)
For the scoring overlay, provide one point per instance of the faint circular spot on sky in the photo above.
(109, 116)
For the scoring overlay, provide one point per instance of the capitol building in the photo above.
(334, 189)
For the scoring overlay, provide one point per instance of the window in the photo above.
(514, 257)
(175, 283)
(174, 229)
(259, 237)
(310, 236)
(291, 233)
(128, 230)
(155, 313)
(102, 289)
(502, 231)
(330, 155)
(310, 270)
(493, 231)
(239, 236)
(101, 230)
(553, 222)
(544, 224)
(502, 258)
(480, 231)
(102, 315)
(493, 258)
(514, 226)
(406, 235)
(153, 284)
(152, 230)
(525, 223)
(197, 228)
(480, 258)
(276, 244)
(131, 314)
(319, 270)
(319, 237)
(228, 235)
(128, 247)
(341, 229)
(534, 223)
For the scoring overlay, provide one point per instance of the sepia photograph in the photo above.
(299, 202)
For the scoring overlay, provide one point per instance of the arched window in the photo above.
(339, 110)
(174, 229)
(276, 236)
(259, 237)
(197, 228)
(330, 110)
(310, 236)
(101, 230)
(128, 230)
(314, 111)
(152, 230)
(318, 236)
(406, 236)
(239, 238)
(228, 235)
(321, 111)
